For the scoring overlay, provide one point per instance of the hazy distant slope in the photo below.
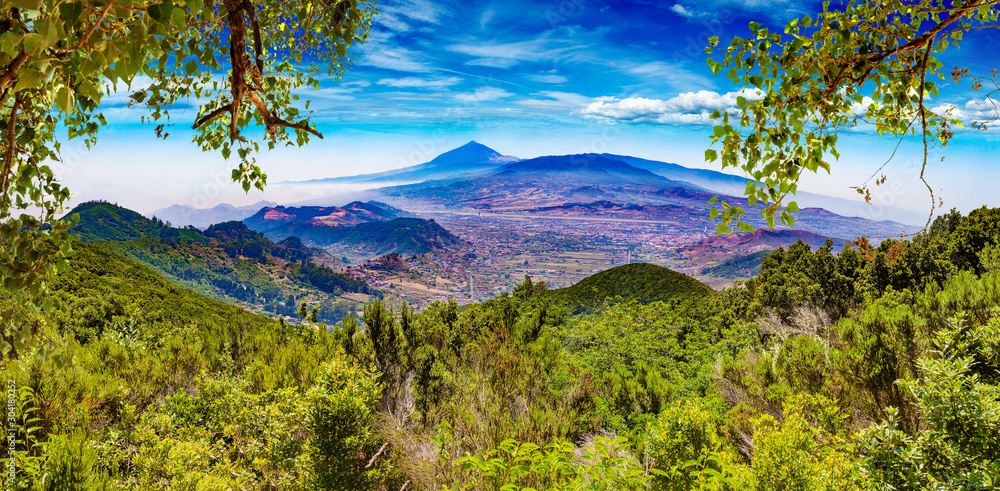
(370, 228)
(641, 282)
(543, 181)
(400, 235)
(729, 184)
(183, 215)
(471, 158)
(278, 221)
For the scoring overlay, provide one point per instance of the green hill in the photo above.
(102, 290)
(100, 220)
(642, 282)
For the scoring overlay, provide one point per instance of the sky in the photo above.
(527, 78)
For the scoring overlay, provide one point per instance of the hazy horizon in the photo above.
(583, 76)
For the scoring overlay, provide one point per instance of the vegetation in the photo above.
(876, 368)
(58, 59)
(872, 369)
(228, 261)
(641, 282)
(863, 62)
(737, 267)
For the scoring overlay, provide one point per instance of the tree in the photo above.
(873, 62)
(59, 58)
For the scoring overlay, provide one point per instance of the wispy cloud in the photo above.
(672, 74)
(547, 78)
(415, 82)
(395, 58)
(483, 94)
(499, 54)
(414, 10)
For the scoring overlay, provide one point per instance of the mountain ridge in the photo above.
(469, 158)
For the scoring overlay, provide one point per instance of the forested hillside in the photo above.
(643, 283)
(875, 368)
(227, 261)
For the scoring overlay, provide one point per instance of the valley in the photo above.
(473, 223)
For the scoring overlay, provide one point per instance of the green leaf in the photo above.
(26, 4)
(70, 13)
(65, 101)
(793, 206)
(711, 155)
(161, 12)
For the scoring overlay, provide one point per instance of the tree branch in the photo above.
(10, 72)
(272, 122)
(921, 40)
(923, 121)
(210, 116)
(238, 77)
(8, 162)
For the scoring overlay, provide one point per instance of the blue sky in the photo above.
(527, 79)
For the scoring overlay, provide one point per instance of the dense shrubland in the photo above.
(876, 368)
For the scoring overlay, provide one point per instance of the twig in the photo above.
(377, 455)
(923, 121)
(210, 116)
(91, 31)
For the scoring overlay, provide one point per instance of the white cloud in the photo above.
(483, 94)
(681, 11)
(975, 110)
(689, 107)
(547, 78)
(436, 83)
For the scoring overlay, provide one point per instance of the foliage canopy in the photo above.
(241, 59)
(867, 61)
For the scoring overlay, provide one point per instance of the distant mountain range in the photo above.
(604, 185)
(728, 184)
(469, 159)
(279, 220)
(184, 215)
(370, 228)
(478, 177)
(543, 181)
